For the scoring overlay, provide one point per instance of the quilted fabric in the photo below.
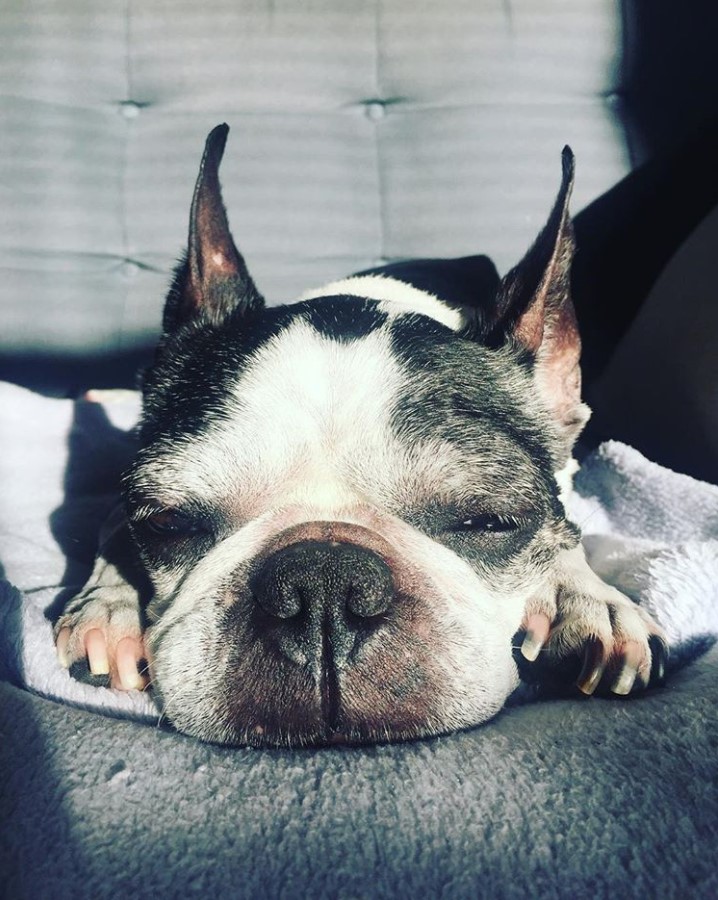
(363, 130)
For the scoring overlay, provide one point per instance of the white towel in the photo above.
(653, 533)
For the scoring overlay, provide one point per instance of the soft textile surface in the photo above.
(556, 798)
(361, 131)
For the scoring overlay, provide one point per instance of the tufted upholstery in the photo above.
(361, 130)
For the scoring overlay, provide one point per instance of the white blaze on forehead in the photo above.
(394, 296)
(304, 386)
(305, 414)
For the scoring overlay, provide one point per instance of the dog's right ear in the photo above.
(535, 314)
(212, 281)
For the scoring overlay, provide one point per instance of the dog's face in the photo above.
(345, 503)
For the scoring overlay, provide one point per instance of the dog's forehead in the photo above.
(307, 390)
(341, 395)
(308, 404)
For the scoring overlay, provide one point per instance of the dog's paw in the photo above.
(99, 638)
(593, 636)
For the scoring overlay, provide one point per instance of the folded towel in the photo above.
(653, 534)
(649, 531)
(60, 467)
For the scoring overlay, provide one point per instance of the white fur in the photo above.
(564, 480)
(395, 297)
(309, 421)
(306, 435)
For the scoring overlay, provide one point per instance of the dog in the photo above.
(345, 521)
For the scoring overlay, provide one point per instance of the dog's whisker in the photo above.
(167, 702)
(520, 646)
(588, 518)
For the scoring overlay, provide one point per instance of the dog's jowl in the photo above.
(348, 508)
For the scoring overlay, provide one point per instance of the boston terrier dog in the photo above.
(345, 519)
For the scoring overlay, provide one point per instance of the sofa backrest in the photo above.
(361, 132)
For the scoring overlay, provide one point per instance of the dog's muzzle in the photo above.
(318, 601)
(332, 632)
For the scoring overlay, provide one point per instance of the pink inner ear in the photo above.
(216, 255)
(558, 373)
(213, 280)
(222, 265)
(529, 330)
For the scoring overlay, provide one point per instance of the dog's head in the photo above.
(344, 503)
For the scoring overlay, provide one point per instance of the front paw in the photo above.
(99, 638)
(592, 636)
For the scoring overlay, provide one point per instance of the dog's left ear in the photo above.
(212, 281)
(535, 312)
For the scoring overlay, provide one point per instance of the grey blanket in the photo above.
(566, 798)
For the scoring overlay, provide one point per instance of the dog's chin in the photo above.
(412, 675)
(318, 732)
(333, 711)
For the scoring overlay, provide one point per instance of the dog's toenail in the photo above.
(594, 662)
(537, 630)
(97, 652)
(623, 684)
(63, 640)
(130, 678)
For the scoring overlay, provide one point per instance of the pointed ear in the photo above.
(212, 281)
(535, 312)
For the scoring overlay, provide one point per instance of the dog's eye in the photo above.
(490, 523)
(172, 523)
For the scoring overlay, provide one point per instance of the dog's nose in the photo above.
(320, 596)
(312, 574)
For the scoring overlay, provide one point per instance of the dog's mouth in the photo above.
(319, 687)
(395, 696)
(317, 715)
(329, 690)
(332, 684)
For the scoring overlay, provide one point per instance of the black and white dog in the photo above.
(349, 506)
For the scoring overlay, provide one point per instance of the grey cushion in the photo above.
(361, 132)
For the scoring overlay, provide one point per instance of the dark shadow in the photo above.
(668, 103)
(11, 665)
(627, 236)
(626, 239)
(668, 74)
(98, 455)
(64, 374)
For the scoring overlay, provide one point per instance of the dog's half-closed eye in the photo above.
(492, 523)
(172, 522)
(495, 535)
(169, 523)
(168, 537)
